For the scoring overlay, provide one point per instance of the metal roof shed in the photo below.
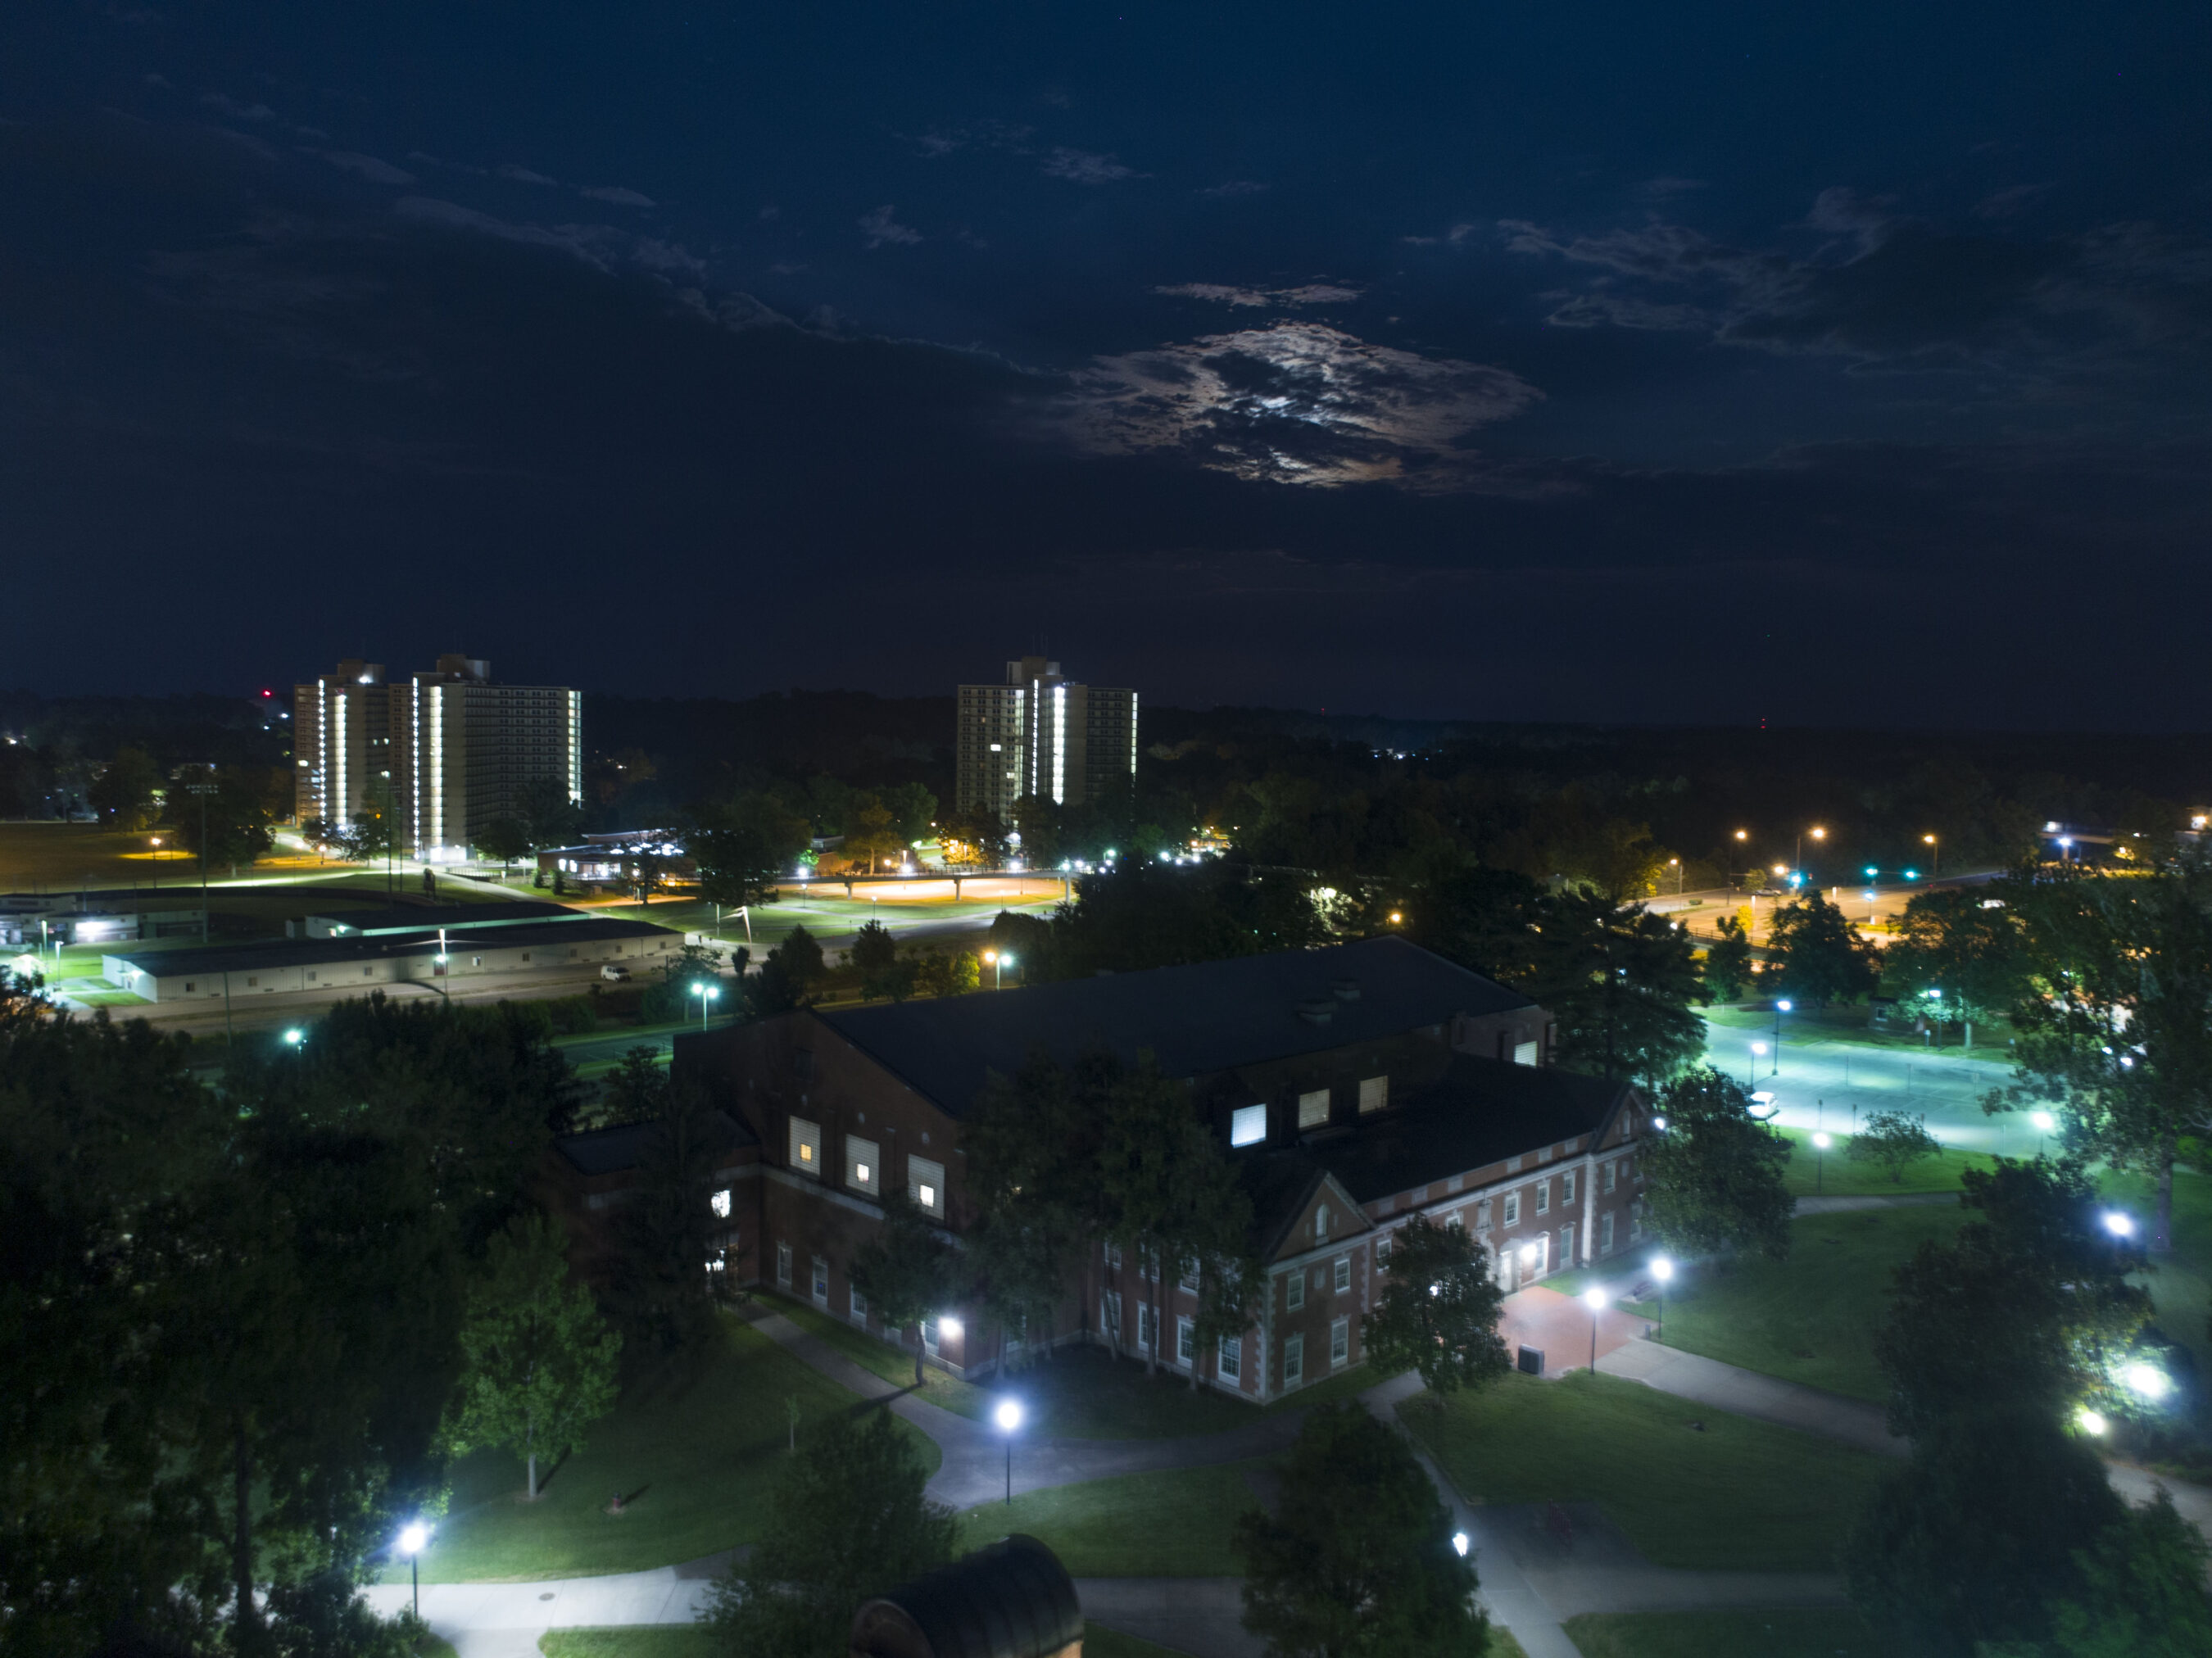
(1011, 1600)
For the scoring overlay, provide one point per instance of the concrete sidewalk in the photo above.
(1748, 1392)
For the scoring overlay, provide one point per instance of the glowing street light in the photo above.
(1782, 1005)
(1820, 1145)
(412, 1538)
(1936, 865)
(2092, 1422)
(2045, 1122)
(1008, 1415)
(2118, 1224)
(1663, 1272)
(295, 1036)
(1459, 1544)
(2148, 1380)
(706, 993)
(999, 961)
(1757, 1050)
(1593, 1298)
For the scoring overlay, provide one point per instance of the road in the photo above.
(1832, 1084)
(1863, 901)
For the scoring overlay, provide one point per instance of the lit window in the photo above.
(805, 1146)
(721, 1203)
(862, 1165)
(1374, 1093)
(925, 1184)
(1312, 1109)
(1247, 1124)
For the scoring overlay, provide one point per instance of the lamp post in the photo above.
(999, 961)
(1662, 1271)
(157, 863)
(204, 789)
(706, 993)
(1817, 833)
(2043, 1124)
(1679, 873)
(1782, 1005)
(1593, 1298)
(1936, 857)
(1008, 1415)
(294, 1037)
(411, 1540)
(1820, 1144)
(1751, 1078)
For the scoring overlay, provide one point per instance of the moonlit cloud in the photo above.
(236, 111)
(618, 194)
(1085, 168)
(523, 175)
(1297, 402)
(1226, 294)
(881, 228)
(376, 172)
(1234, 188)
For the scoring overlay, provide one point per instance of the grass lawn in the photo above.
(1811, 1317)
(1174, 1524)
(2181, 1287)
(635, 1640)
(1741, 1494)
(1798, 1632)
(1855, 1024)
(692, 1452)
(1080, 1392)
(1836, 1175)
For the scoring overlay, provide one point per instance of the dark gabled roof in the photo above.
(1198, 1020)
(1479, 1111)
(1280, 1184)
(315, 952)
(616, 1151)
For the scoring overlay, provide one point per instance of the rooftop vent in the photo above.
(1316, 1010)
(1344, 990)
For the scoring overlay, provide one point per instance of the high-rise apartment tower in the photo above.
(1042, 734)
(453, 748)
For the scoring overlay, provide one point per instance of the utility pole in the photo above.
(204, 789)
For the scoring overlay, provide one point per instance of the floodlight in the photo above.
(1459, 1544)
(2149, 1380)
(949, 1329)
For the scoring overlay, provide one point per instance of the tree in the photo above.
(1484, 919)
(848, 1520)
(948, 972)
(2027, 1309)
(662, 1279)
(914, 810)
(871, 834)
(1964, 947)
(972, 838)
(1232, 1288)
(1893, 1140)
(123, 794)
(1823, 958)
(1166, 1190)
(636, 1090)
(1621, 982)
(2141, 1591)
(2120, 1029)
(549, 814)
(1714, 1174)
(908, 1270)
(538, 1360)
(229, 824)
(1727, 960)
(1973, 1538)
(1357, 1561)
(875, 953)
(787, 976)
(1156, 916)
(504, 840)
(1439, 1311)
(744, 847)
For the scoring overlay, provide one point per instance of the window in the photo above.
(1605, 1232)
(1294, 1290)
(720, 1203)
(1524, 1053)
(190, 987)
(821, 1282)
(1567, 1189)
(1186, 1342)
(1374, 1093)
(1110, 1313)
(1113, 1256)
(783, 1265)
(1610, 1169)
(859, 1308)
(1189, 1279)
(1543, 1197)
(1294, 1361)
(311, 975)
(1512, 1208)
(366, 971)
(925, 1184)
(1321, 1221)
(805, 1152)
(1312, 1109)
(1229, 1358)
(1147, 1326)
(1247, 1124)
(1482, 1216)
(1382, 1253)
(1636, 1220)
(1339, 1343)
(864, 1169)
(1341, 1274)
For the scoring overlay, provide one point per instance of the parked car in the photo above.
(614, 974)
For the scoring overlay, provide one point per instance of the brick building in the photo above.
(1353, 1086)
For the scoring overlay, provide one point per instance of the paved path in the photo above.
(1748, 1392)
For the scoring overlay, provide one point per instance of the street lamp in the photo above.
(1676, 865)
(999, 961)
(2118, 1224)
(2148, 1380)
(1662, 1271)
(1820, 1145)
(1593, 1298)
(2043, 1124)
(412, 1540)
(1782, 1005)
(1936, 857)
(706, 993)
(1459, 1544)
(1756, 1048)
(1008, 1415)
(1818, 834)
(2092, 1422)
(295, 1036)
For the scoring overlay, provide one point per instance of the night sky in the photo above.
(1716, 363)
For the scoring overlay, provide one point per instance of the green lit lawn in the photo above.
(2181, 1287)
(1855, 1024)
(1836, 1175)
(1811, 1317)
(692, 1453)
(1080, 1393)
(1742, 1495)
(1175, 1523)
(636, 1641)
(1826, 1633)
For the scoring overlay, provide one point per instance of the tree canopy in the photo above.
(1713, 1174)
(1439, 1311)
